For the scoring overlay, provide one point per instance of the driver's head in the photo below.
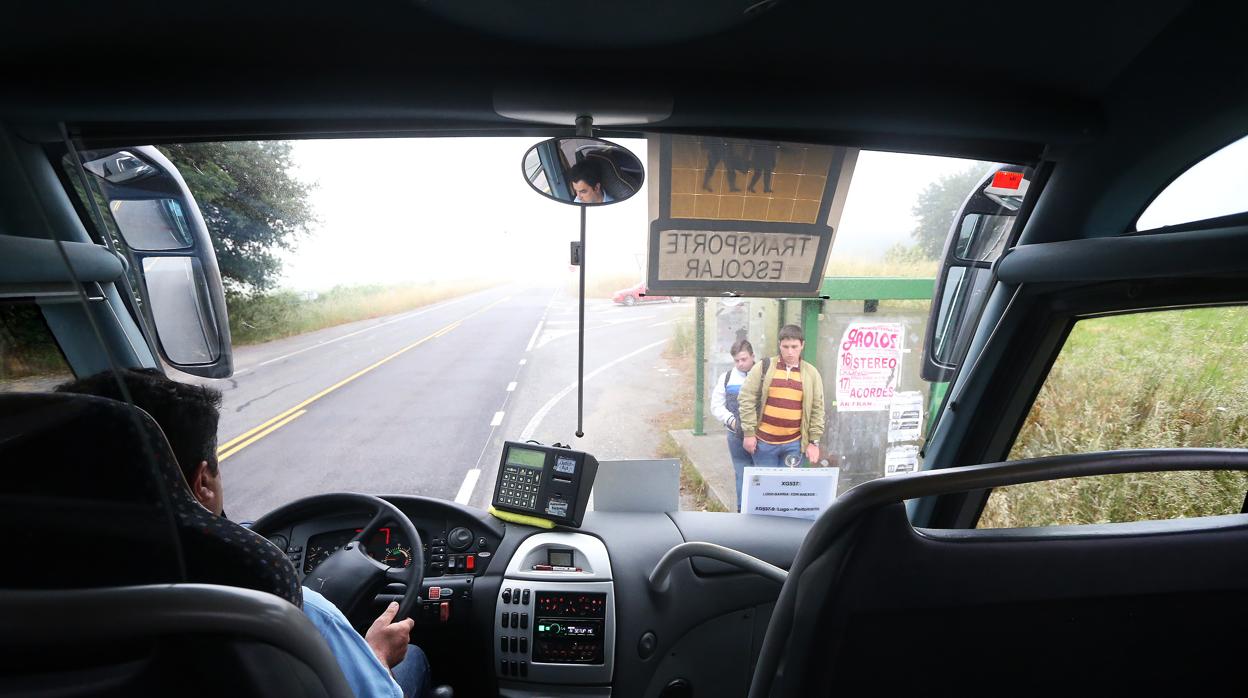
(586, 183)
(188, 415)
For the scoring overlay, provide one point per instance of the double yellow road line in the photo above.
(269, 426)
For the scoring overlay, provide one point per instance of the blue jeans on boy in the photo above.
(741, 459)
(772, 455)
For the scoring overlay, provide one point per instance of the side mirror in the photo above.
(169, 247)
(583, 171)
(981, 230)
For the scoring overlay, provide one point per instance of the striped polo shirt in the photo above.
(781, 422)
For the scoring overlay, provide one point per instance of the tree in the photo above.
(252, 205)
(936, 207)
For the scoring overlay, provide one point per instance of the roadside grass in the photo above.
(27, 348)
(908, 269)
(1151, 380)
(270, 316)
(695, 495)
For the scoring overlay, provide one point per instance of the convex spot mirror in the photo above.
(583, 171)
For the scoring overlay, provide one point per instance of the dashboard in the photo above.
(512, 610)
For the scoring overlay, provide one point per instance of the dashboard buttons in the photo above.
(524, 620)
(524, 668)
(524, 644)
(515, 621)
(506, 595)
(515, 644)
(526, 597)
(502, 644)
(506, 621)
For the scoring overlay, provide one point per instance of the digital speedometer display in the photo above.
(386, 546)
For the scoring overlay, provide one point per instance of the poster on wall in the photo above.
(899, 460)
(905, 416)
(868, 366)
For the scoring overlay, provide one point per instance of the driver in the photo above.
(381, 663)
(587, 183)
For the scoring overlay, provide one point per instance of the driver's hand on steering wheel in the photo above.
(388, 639)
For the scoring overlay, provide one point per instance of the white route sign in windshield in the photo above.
(801, 493)
(701, 255)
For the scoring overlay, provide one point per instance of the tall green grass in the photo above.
(1148, 380)
(280, 314)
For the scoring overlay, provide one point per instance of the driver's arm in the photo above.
(360, 664)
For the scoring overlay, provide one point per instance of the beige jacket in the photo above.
(754, 394)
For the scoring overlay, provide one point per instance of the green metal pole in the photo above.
(699, 366)
(810, 328)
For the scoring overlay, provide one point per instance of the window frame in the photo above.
(1035, 334)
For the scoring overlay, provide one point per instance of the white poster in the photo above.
(905, 416)
(868, 366)
(801, 493)
(899, 460)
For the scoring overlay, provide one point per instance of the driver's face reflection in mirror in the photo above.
(587, 184)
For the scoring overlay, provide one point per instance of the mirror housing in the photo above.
(981, 232)
(583, 171)
(171, 253)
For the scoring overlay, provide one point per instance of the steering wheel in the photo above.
(349, 578)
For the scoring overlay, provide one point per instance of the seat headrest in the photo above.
(617, 179)
(92, 496)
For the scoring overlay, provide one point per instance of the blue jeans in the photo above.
(772, 456)
(741, 458)
(412, 674)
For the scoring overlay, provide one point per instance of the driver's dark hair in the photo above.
(586, 172)
(188, 414)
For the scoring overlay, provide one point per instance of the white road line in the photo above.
(498, 419)
(470, 482)
(511, 386)
(660, 324)
(536, 421)
(536, 332)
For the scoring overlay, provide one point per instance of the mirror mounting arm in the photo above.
(585, 126)
(580, 352)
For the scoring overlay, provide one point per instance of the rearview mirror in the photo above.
(583, 171)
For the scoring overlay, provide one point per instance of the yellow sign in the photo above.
(726, 179)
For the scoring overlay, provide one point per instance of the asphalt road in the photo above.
(420, 403)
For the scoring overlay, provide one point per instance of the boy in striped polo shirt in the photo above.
(781, 405)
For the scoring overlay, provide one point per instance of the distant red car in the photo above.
(637, 294)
